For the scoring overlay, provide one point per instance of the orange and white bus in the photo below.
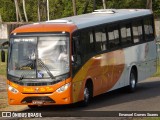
(73, 59)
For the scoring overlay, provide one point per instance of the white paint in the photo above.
(90, 19)
(145, 63)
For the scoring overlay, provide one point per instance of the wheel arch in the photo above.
(89, 83)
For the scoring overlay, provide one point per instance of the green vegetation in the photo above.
(157, 74)
(3, 66)
(63, 8)
(149, 118)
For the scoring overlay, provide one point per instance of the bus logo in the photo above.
(36, 89)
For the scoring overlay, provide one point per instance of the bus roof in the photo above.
(105, 16)
(72, 23)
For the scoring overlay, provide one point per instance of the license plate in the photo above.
(37, 102)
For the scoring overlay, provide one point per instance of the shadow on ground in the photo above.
(145, 90)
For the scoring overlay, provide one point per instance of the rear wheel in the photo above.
(133, 81)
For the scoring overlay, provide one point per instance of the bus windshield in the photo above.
(39, 57)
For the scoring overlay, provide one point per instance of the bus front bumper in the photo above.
(54, 98)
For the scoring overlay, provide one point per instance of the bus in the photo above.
(73, 59)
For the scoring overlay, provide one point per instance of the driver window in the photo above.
(76, 52)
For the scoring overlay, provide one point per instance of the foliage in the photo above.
(7, 10)
(156, 7)
(126, 3)
(63, 8)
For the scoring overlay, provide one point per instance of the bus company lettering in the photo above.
(42, 89)
(28, 90)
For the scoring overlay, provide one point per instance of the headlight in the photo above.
(12, 89)
(63, 88)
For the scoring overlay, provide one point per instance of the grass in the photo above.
(3, 93)
(149, 118)
(3, 66)
(157, 74)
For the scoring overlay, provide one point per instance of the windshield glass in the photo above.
(39, 57)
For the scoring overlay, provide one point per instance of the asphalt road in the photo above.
(146, 98)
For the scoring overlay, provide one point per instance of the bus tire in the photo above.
(87, 95)
(132, 81)
(33, 106)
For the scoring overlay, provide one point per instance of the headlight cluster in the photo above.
(63, 88)
(12, 89)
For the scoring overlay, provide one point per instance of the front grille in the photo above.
(37, 84)
(45, 99)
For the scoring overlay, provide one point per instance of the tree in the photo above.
(18, 13)
(24, 10)
(86, 6)
(47, 10)
(104, 4)
(36, 10)
(17, 17)
(39, 16)
(42, 10)
(74, 7)
(149, 4)
(94, 5)
(0, 18)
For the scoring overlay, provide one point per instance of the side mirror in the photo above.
(76, 60)
(3, 56)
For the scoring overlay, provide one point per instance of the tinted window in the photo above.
(126, 34)
(148, 29)
(100, 36)
(113, 37)
(87, 42)
(137, 31)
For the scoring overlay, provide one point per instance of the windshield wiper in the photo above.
(29, 65)
(43, 65)
(46, 68)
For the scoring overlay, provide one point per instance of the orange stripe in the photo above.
(105, 70)
(45, 28)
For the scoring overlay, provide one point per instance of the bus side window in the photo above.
(76, 51)
(126, 35)
(113, 36)
(87, 44)
(137, 31)
(101, 40)
(148, 29)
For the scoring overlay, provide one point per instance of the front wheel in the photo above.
(33, 106)
(132, 81)
(87, 96)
